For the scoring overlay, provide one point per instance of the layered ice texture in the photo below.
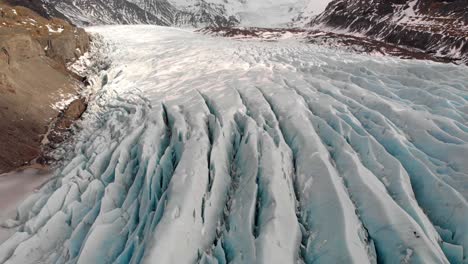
(208, 150)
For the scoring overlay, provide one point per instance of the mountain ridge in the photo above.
(193, 13)
(436, 27)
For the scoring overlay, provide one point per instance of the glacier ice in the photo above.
(207, 150)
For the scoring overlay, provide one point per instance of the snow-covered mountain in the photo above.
(157, 12)
(198, 13)
(85, 12)
(210, 150)
(434, 26)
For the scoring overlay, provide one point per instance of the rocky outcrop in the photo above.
(59, 129)
(34, 81)
(433, 26)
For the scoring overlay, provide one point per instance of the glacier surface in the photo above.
(200, 149)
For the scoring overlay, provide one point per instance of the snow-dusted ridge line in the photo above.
(210, 150)
(435, 27)
(184, 13)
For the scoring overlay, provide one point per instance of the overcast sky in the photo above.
(317, 6)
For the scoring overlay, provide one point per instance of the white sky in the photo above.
(317, 6)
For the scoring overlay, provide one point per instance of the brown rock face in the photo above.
(33, 78)
(60, 128)
(66, 46)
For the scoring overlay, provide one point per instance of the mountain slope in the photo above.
(197, 13)
(157, 12)
(34, 83)
(84, 12)
(438, 27)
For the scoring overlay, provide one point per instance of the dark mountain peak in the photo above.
(434, 26)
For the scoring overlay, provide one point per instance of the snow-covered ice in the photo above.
(200, 149)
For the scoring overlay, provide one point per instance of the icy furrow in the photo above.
(209, 150)
(275, 181)
(374, 201)
(371, 154)
(323, 198)
(420, 173)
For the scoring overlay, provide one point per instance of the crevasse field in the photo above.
(209, 150)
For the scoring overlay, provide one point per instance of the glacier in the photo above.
(200, 149)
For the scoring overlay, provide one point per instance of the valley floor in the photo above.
(200, 149)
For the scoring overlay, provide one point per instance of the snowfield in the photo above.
(200, 149)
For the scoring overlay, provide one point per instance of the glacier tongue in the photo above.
(210, 150)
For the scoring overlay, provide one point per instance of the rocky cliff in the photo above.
(434, 26)
(34, 82)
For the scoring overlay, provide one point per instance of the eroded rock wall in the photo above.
(33, 79)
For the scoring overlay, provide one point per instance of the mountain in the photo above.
(101, 12)
(84, 12)
(196, 13)
(434, 26)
